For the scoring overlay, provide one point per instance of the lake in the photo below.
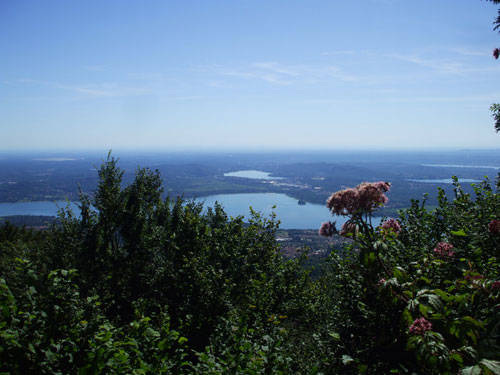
(291, 214)
(444, 180)
(288, 211)
(461, 166)
(43, 208)
(252, 174)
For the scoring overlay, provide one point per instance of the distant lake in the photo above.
(460, 166)
(291, 214)
(288, 211)
(443, 180)
(258, 175)
(54, 159)
(43, 208)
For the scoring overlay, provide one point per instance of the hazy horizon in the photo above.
(243, 150)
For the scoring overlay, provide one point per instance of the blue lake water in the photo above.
(44, 208)
(461, 166)
(253, 174)
(444, 180)
(288, 211)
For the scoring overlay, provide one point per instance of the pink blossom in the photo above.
(348, 228)
(363, 198)
(494, 226)
(382, 281)
(419, 326)
(391, 224)
(343, 202)
(475, 279)
(383, 186)
(495, 285)
(496, 53)
(371, 195)
(444, 249)
(327, 229)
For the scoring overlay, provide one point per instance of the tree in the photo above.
(495, 108)
(495, 111)
(497, 20)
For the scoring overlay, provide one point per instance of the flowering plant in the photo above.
(420, 326)
(494, 226)
(391, 225)
(444, 249)
(433, 273)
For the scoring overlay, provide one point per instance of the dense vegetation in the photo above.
(31, 221)
(138, 284)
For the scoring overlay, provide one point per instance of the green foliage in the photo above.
(138, 284)
(496, 23)
(495, 110)
(238, 349)
(457, 293)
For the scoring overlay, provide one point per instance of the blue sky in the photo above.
(173, 75)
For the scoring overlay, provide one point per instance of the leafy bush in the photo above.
(422, 295)
(138, 284)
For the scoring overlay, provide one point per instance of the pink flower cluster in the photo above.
(495, 285)
(496, 53)
(363, 198)
(475, 277)
(327, 229)
(419, 326)
(444, 249)
(348, 228)
(391, 224)
(494, 226)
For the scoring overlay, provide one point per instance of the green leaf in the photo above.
(423, 310)
(362, 369)
(412, 304)
(407, 317)
(472, 334)
(369, 258)
(473, 321)
(457, 357)
(346, 359)
(493, 366)
(399, 274)
(334, 335)
(434, 301)
(459, 233)
(441, 293)
(425, 280)
(471, 370)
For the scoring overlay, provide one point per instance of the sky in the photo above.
(247, 74)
